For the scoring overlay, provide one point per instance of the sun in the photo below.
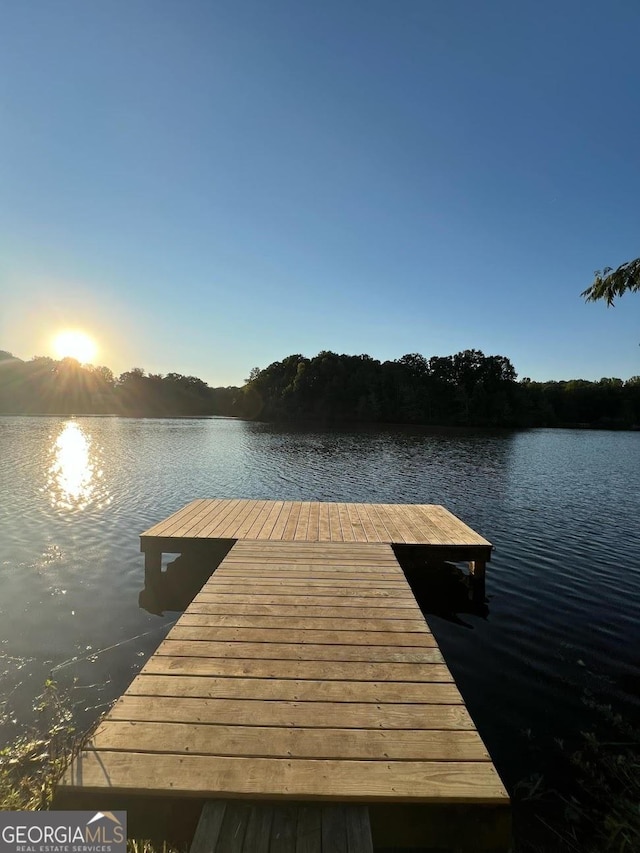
(75, 344)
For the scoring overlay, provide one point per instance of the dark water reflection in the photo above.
(561, 507)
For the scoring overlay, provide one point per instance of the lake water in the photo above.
(563, 589)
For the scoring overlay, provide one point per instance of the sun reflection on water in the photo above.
(75, 472)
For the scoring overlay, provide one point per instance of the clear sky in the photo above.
(205, 187)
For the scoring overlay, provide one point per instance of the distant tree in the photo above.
(253, 374)
(611, 283)
(134, 373)
(417, 364)
(104, 375)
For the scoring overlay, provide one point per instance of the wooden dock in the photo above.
(428, 526)
(302, 671)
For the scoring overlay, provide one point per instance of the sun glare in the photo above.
(74, 344)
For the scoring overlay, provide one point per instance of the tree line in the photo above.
(465, 389)
(46, 386)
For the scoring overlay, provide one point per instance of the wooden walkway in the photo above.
(299, 671)
(302, 671)
(427, 525)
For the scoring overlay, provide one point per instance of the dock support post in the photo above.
(477, 570)
(152, 566)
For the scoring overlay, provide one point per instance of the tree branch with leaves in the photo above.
(609, 283)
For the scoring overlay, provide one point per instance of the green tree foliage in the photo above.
(464, 389)
(253, 374)
(609, 283)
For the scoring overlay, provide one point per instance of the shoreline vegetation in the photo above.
(468, 389)
(34, 756)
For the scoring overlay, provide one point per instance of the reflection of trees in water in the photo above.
(379, 464)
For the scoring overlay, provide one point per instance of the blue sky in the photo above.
(209, 186)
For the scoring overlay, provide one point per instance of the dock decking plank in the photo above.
(310, 561)
(325, 586)
(327, 589)
(327, 622)
(300, 534)
(296, 585)
(260, 520)
(347, 669)
(229, 511)
(281, 523)
(348, 533)
(426, 517)
(256, 514)
(289, 531)
(455, 526)
(335, 525)
(313, 528)
(324, 528)
(368, 528)
(304, 602)
(302, 636)
(473, 782)
(214, 607)
(258, 836)
(236, 526)
(313, 570)
(329, 652)
(429, 693)
(166, 527)
(274, 513)
(356, 524)
(245, 712)
(207, 510)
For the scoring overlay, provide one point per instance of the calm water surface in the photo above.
(561, 507)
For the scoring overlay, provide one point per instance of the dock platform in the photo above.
(428, 526)
(302, 671)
